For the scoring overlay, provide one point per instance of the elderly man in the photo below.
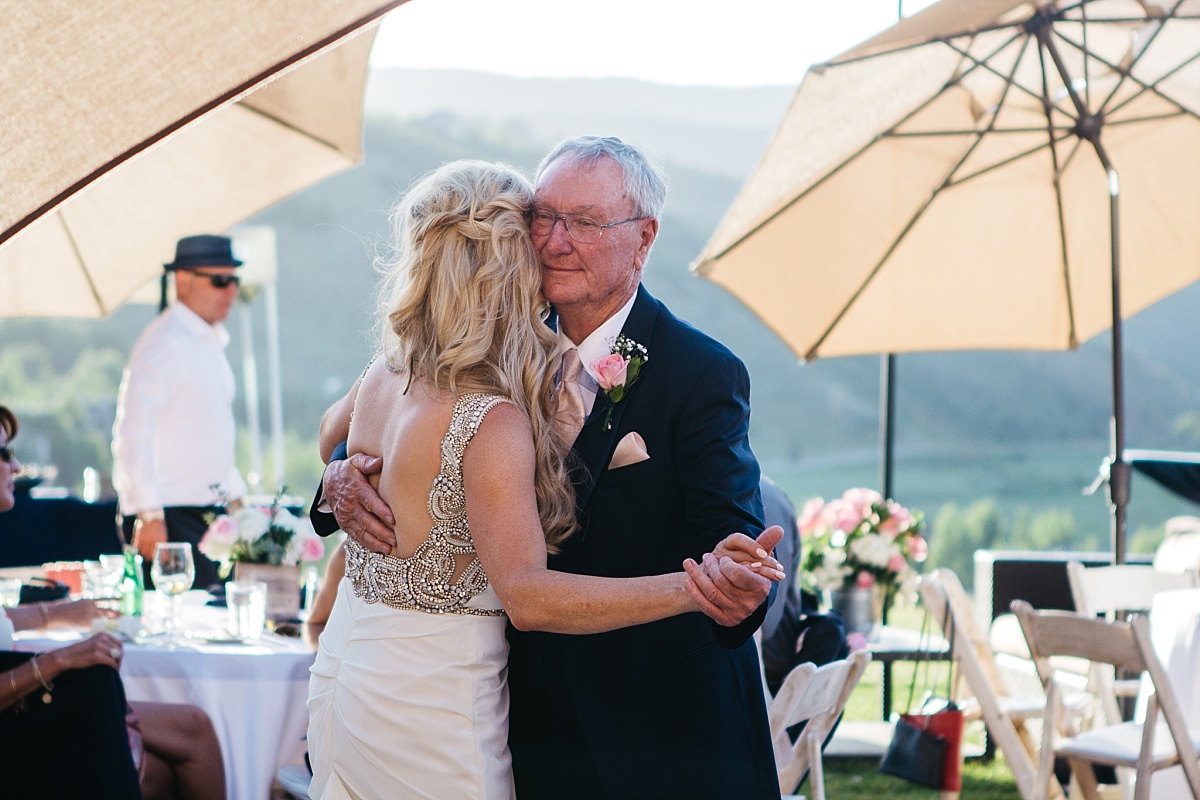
(173, 439)
(674, 708)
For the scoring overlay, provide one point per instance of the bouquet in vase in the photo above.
(261, 535)
(861, 540)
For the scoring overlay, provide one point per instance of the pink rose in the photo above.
(897, 564)
(862, 499)
(864, 580)
(810, 517)
(223, 529)
(919, 548)
(609, 370)
(843, 515)
(313, 549)
(856, 641)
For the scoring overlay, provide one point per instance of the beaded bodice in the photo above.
(423, 582)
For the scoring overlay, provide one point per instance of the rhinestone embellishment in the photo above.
(422, 582)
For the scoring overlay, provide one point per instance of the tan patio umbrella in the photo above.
(987, 174)
(129, 123)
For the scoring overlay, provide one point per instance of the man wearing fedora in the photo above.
(173, 440)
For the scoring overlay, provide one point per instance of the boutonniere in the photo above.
(618, 371)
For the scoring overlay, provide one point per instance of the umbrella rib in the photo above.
(820, 181)
(1126, 73)
(1005, 162)
(1056, 182)
(293, 128)
(1007, 79)
(812, 353)
(221, 100)
(87, 275)
(837, 62)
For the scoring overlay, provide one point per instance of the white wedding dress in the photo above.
(408, 695)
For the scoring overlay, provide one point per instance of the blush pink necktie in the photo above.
(570, 414)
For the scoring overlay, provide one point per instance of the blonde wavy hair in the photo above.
(462, 308)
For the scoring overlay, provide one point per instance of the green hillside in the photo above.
(1028, 429)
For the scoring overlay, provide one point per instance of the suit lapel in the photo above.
(596, 442)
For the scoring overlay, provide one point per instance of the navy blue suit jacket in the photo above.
(673, 708)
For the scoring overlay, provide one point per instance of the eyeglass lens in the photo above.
(582, 229)
(7, 455)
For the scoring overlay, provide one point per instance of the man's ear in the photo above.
(649, 233)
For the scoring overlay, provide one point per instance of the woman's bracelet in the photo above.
(18, 704)
(37, 673)
(45, 614)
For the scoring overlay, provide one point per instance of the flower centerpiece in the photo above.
(861, 541)
(264, 543)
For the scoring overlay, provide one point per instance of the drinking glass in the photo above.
(173, 572)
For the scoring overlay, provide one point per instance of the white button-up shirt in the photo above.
(173, 439)
(597, 344)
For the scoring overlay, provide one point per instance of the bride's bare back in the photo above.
(405, 429)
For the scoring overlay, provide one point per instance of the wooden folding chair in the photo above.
(1109, 591)
(1145, 746)
(816, 696)
(1003, 713)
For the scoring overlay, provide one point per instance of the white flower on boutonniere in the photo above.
(618, 371)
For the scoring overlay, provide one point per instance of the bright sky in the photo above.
(703, 42)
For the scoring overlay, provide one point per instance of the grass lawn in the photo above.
(853, 778)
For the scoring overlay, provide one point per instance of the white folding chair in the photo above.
(816, 696)
(1110, 590)
(1142, 746)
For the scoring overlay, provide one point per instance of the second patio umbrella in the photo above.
(129, 124)
(987, 174)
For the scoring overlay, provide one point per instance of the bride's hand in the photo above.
(754, 553)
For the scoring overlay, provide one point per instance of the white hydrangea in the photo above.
(873, 549)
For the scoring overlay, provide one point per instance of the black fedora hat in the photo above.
(204, 250)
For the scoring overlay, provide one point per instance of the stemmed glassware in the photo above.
(173, 572)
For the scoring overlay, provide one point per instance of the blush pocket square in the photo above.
(630, 450)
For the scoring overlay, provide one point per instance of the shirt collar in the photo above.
(599, 342)
(194, 324)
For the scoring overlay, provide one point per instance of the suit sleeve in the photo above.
(721, 478)
(324, 522)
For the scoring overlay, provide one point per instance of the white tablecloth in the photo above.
(255, 694)
(1175, 633)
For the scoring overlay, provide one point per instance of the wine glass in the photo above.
(173, 572)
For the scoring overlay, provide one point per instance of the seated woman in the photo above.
(65, 727)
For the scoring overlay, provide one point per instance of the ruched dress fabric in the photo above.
(408, 695)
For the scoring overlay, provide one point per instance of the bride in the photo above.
(408, 695)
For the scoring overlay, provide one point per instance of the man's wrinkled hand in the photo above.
(730, 584)
(357, 507)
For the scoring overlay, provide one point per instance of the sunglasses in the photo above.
(7, 455)
(218, 281)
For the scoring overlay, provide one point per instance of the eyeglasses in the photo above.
(219, 280)
(580, 228)
(7, 455)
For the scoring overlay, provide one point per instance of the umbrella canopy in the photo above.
(953, 183)
(128, 124)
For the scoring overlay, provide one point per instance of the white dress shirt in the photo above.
(597, 344)
(173, 439)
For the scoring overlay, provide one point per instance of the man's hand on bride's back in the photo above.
(357, 507)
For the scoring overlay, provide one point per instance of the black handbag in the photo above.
(915, 754)
(921, 740)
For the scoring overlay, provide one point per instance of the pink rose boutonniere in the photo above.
(618, 371)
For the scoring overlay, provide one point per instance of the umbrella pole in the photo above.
(1119, 470)
(1088, 127)
(887, 411)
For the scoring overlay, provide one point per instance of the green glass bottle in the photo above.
(132, 586)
